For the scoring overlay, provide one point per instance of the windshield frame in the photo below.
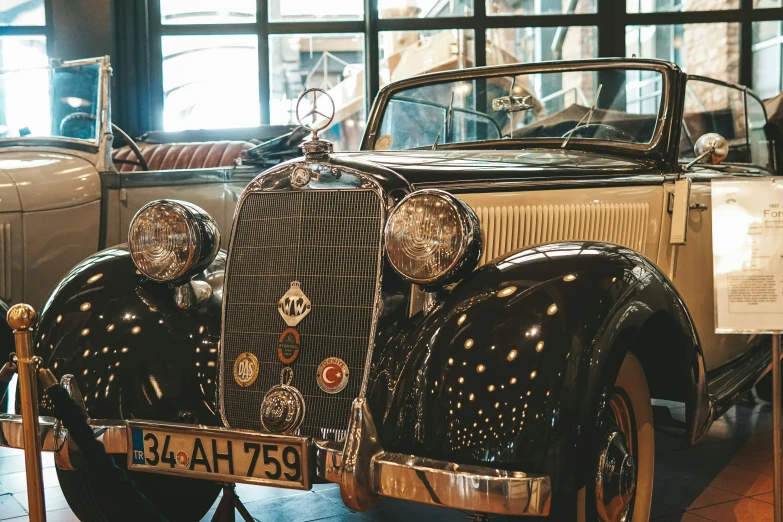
(103, 110)
(652, 148)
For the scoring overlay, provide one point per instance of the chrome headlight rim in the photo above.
(469, 251)
(203, 238)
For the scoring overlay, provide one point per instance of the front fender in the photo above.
(133, 352)
(515, 365)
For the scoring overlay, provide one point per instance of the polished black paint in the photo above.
(133, 352)
(520, 381)
(452, 168)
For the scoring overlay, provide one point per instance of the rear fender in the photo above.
(133, 351)
(515, 365)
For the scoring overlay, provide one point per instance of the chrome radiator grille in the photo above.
(329, 241)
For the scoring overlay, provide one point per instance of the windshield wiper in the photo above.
(588, 115)
(446, 121)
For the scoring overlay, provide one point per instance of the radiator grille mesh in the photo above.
(508, 228)
(329, 241)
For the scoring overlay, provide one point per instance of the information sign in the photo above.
(747, 245)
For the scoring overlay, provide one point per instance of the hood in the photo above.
(449, 166)
(46, 180)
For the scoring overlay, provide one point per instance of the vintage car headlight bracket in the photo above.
(170, 241)
(432, 239)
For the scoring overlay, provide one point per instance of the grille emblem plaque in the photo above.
(288, 346)
(294, 305)
(283, 407)
(332, 375)
(246, 369)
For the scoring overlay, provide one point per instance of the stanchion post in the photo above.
(21, 318)
(777, 484)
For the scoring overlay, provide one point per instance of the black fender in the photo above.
(513, 368)
(133, 351)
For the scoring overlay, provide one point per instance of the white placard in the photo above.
(747, 248)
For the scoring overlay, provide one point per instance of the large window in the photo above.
(24, 98)
(227, 64)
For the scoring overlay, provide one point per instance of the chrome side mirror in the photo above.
(512, 103)
(711, 148)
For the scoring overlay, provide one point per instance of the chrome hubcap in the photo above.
(616, 473)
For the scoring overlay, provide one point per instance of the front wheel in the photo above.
(178, 499)
(624, 453)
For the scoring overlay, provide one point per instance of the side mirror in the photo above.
(711, 148)
(512, 104)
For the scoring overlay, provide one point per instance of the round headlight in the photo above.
(433, 238)
(170, 240)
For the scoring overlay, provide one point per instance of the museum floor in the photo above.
(725, 478)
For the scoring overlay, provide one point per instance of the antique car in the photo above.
(475, 311)
(67, 189)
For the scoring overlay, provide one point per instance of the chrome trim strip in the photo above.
(394, 475)
(277, 179)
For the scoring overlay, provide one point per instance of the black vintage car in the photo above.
(475, 311)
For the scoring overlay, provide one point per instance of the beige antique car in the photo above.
(475, 311)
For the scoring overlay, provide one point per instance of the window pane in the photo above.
(767, 58)
(424, 8)
(759, 146)
(538, 44)
(315, 10)
(706, 49)
(333, 62)
(537, 7)
(24, 97)
(408, 53)
(710, 107)
(174, 12)
(664, 6)
(210, 82)
(761, 4)
(22, 12)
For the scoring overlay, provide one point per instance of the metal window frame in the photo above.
(46, 30)
(610, 20)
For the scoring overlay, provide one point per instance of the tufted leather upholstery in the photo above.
(174, 156)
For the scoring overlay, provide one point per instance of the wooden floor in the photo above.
(725, 478)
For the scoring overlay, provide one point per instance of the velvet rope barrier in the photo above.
(75, 421)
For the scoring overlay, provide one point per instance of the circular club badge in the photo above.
(182, 458)
(246, 369)
(288, 346)
(332, 375)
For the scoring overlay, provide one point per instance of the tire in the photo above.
(630, 387)
(178, 499)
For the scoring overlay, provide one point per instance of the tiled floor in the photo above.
(725, 478)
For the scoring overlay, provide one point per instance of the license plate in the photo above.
(220, 455)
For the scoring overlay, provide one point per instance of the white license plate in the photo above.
(220, 455)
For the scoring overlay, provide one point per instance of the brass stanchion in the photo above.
(21, 318)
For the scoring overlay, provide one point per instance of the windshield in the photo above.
(619, 105)
(61, 102)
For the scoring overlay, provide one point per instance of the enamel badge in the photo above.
(288, 346)
(246, 369)
(294, 305)
(332, 375)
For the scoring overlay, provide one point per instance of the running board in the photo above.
(726, 384)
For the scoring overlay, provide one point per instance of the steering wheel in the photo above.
(76, 116)
(613, 132)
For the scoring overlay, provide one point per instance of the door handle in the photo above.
(698, 206)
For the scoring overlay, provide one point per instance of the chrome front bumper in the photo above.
(360, 466)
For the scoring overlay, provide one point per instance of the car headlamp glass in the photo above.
(432, 238)
(169, 240)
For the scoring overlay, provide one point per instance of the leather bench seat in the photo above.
(176, 156)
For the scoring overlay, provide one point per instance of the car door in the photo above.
(712, 107)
